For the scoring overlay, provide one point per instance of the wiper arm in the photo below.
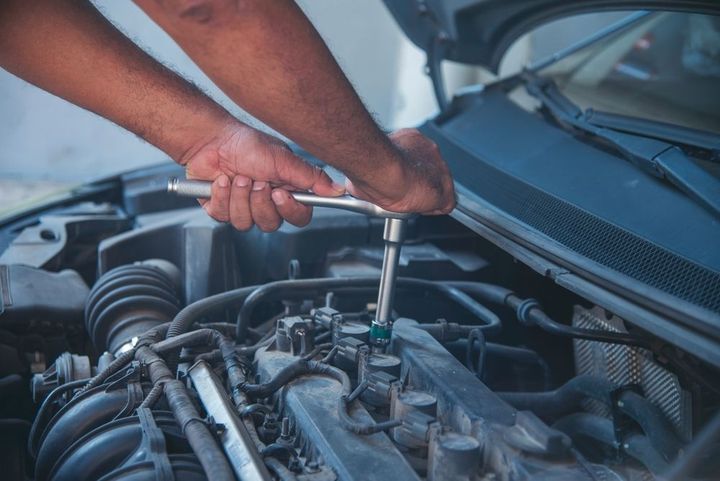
(661, 159)
(674, 134)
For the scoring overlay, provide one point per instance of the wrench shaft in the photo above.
(393, 235)
(202, 189)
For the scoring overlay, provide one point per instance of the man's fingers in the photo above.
(240, 215)
(264, 213)
(293, 170)
(217, 206)
(290, 209)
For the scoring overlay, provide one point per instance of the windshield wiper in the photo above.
(676, 134)
(657, 157)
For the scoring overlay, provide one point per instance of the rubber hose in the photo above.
(601, 429)
(304, 367)
(201, 337)
(487, 292)
(536, 317)
(244, 351)
(191, 313)
(201, 441)
(504, 296)
(550, 405)
(153, 396)
(476, 335)
(294, 288)
(569, 396)
(118, 363)
(284, 376)
(282, 473)
(653, 422)
(697, 452)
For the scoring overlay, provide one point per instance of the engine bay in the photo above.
(155, 343)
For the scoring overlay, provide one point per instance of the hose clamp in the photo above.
(524, 308)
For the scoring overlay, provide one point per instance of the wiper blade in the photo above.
(659, 158)
(659, 130)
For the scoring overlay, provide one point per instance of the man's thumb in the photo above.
(324, 186)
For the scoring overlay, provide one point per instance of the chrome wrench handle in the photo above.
(201, 189)
(393, 235)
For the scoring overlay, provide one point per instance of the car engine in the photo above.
(140, 339)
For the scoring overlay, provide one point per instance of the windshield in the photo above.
(665, 67)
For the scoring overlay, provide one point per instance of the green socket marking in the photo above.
(380, 332)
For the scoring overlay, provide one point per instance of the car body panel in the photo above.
(480, 31)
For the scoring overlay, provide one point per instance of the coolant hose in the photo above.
(652, 421)
(550, 405)
(601, 429)
(696, 454)
(569, 396)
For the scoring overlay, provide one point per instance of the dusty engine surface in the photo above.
(173, 347)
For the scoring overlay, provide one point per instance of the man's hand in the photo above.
(288, 79)
(418, 180)
(252, 173)
(291, 82)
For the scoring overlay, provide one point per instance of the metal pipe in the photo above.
(393, 235)
(202, 189)
(236, 441)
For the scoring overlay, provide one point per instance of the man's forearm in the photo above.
(66, 47)
(270, 60)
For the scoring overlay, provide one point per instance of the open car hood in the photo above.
(480, 31)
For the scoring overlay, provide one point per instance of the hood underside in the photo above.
(480, 31)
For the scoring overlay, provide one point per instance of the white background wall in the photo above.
(45, 138)
(46, 142)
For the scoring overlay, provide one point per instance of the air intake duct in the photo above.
(129, 300)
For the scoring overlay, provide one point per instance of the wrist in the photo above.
(383, 174)
(205, 129)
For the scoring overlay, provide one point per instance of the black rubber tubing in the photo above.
(201, 440)
(568, 397)
(695, 453)
(550, 405)
(123, 359)
(191, 313)
(601, 429)
(250, 296)
(529, 312)
(293, 288)
(304, 366)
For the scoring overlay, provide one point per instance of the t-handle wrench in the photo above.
(393, 235)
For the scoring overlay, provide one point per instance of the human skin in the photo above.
(267, 57)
